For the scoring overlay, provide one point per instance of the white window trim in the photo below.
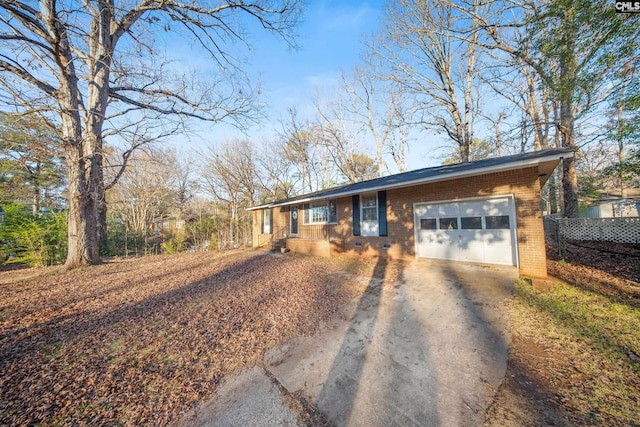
(266, 224)
(362, 220)
(362, 207)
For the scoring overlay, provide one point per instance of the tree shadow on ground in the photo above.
(340, 389)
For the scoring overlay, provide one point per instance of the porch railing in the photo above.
(319, 232)
(271, 239)
(278, 235)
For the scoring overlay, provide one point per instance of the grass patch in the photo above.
(610, 327)
(594, 347)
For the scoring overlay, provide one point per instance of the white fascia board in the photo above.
(295, 202)
(430, 179)
(255, 208)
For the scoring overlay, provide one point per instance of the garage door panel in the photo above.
(472, 251)
(496, 207)
(471, 230)
(467, 237)
(428, 244)
(471, 244)
(447, 237)
(496, 237)
(472, 209)
(447, 210)
(498, 254)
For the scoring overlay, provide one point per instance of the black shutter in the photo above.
(262, 221)
(271, 221)
(382, 213)
(356, 215)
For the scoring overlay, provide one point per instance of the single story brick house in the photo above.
(486, 211)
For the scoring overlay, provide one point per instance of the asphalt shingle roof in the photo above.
(426, 174)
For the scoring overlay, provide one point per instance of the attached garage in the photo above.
(478, 230)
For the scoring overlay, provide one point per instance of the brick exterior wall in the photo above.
(280, 221)
(310, 247)
(400, 243)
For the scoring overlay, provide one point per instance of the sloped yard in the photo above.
(138, 342)
(141, 341)
(575, 351)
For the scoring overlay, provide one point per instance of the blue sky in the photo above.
(330, 41)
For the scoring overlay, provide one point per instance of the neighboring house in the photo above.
(170, 223)
(1, 215)
(486, 211)
(613, 205)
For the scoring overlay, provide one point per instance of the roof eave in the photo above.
(550, 162)
(255, 208)
(546, 166)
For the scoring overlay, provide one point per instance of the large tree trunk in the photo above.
(465, 151)
(568, 78)
(570, 187)
(569, 174)
(101, 47)
(83, 240)
(102, 224)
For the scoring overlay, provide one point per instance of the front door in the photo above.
(294, 220)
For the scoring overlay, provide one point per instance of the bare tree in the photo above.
(144, 191)
(337, 132)
(399, 143)
(77, 61)
(311, 160)
(572, 53)
(185, 184)
(276, 173)
(380, 110)
(420, 44)
(229, 174)
(519, 84)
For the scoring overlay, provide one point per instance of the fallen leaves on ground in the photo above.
(138, 342)
(611, 269)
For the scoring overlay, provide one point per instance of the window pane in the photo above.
(428, 224)
(370, 201)
(448, 223)
(333, 212)
(305, 213)
(370, 207)
(266, 220)
(319, 214)
(369, 214)
(471, 223)
(500, 222)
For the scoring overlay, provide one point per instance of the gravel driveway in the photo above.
(427, 350)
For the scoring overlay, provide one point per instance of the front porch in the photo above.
(320, 239)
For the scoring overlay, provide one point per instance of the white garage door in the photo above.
(479, 230)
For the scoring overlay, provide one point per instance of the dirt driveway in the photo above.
(429, 349)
